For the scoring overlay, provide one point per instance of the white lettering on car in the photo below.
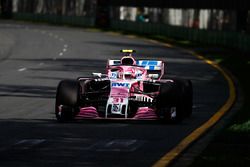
(120, 84)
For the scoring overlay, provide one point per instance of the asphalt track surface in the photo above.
(34, 58)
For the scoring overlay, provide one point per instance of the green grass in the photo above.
(241, 127)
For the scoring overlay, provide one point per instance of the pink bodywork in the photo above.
(87, 112)
(116, 74)
(143, 113)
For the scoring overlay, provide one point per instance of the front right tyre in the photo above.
(170, 101)
(67, 99)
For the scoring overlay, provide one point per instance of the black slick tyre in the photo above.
(67, 98)
(170, 102)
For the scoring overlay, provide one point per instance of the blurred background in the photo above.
(211, 22)
(217, 15)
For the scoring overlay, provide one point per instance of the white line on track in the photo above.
(22, 69)
(65, 46)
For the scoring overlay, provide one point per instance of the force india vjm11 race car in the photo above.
(130, 89)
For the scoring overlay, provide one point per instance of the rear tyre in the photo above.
(170, 102)
(67, 98)
(187, 89)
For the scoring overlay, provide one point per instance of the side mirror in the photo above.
(99, 75)
(153, 76)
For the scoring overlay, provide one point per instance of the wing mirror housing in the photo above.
(99, 75)
(153, 76)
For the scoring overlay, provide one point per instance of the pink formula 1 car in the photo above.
(130, 89)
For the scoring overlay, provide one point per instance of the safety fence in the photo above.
(221, 38)
(55, 19)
